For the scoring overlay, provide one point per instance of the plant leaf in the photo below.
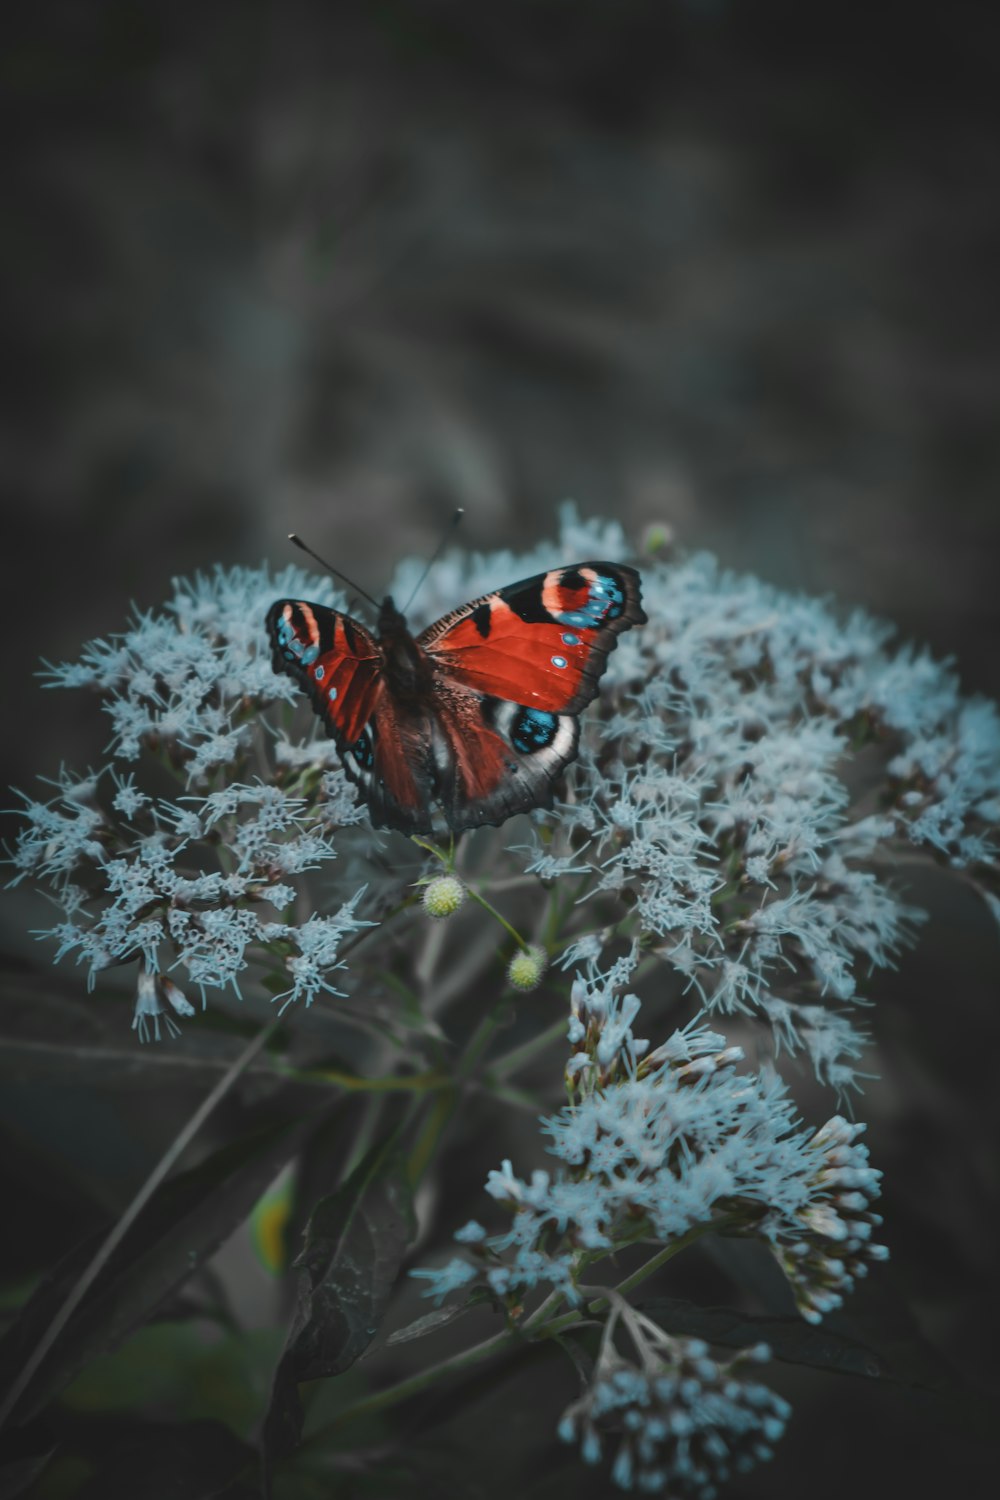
(430, 1322)
(355, 1243)
(885, 1346)
(178, 1229)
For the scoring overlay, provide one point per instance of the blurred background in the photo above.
(338, 268)
(725, 265)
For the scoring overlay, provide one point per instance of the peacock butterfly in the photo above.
(480, 712)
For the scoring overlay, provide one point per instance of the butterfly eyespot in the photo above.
(569, 639)
(363, 752)
(309, 655)
(320, 673)
(533, 729)
(332, 693)
(559, 661)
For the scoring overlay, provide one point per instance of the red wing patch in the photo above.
(335, 660)
(544, 642)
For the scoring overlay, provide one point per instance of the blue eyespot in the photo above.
(320, 673)
(559, 661)
(363, 750)
(533, 729)
(309, 655)
(570, 639)
(332, 694)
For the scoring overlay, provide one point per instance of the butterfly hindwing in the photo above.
(542, 643)
(497, 757)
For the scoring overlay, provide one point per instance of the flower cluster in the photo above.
(685, 1421)
(720, 849)
(650, 1150)
(717, 802)
(183, 885)
(189, 681)
(202, 883)
(827, 1244)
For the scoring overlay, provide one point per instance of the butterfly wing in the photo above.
(340, 666)
(513, 671)
(335, 661)
(542, 643)
(494, 757)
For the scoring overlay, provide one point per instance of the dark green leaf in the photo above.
(885, 1343)
(181, 1226)
(322, 1163)
(429, 1323)
(355, 1243)
(47, 1035)
(790, 1339)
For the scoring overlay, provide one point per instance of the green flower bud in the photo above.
(526, 968)
(443, 895)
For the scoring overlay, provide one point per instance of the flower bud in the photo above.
(526, 968)
(443, 896)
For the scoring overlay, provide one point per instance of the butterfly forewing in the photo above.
(333, 659)
(544, 642)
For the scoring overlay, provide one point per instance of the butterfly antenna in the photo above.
(459, 513)
(294, 537)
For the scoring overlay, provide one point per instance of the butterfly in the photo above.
(477, 715)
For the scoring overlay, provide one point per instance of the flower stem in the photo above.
(519, 940)
(518, 1056)
(444, 1105)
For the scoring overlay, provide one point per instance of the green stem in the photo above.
(446, 859)
(423, 1083)
(517, 1056)
(446, 1102)
(431, 1132)
(519, 940)
(404, 1389)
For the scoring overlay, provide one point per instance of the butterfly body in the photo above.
(477, 715)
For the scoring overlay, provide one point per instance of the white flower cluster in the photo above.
(681, 1140)
(131, 878)
(716, 798)
(685, 1422)
(202, 885)
(189, 680)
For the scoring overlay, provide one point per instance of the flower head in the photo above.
(682, 1421)
(527, 967)
(443, 896)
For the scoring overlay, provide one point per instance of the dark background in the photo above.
(727, 266)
